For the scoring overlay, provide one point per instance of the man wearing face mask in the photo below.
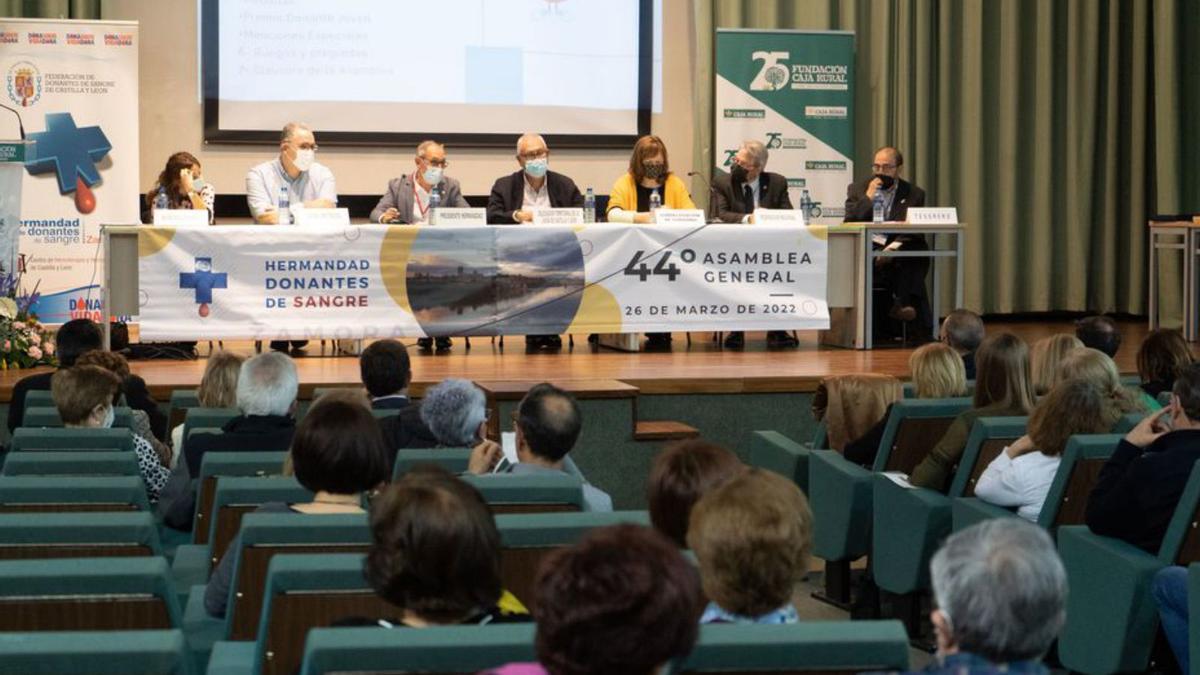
(515, 196)
(308, 183)
(902, 278)
(408, 197)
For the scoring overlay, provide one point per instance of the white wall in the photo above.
(172, 117)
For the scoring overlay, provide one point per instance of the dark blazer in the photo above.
(730, 199)
(508, 193)
(406, 430)
(390, 403)
(859, 209)
(969, 364)
(137, 396)
(399, 196)
(1137, 491)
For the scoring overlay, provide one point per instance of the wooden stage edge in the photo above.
(699, 368)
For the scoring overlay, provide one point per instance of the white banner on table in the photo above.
(396, 281)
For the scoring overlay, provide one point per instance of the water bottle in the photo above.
(285, 212)
(589, 206)
(435, 203)
(878, 218)
(655, 201)
(160, 201)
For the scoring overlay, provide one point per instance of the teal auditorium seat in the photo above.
(909, 524)
(214, 418)
(47, 416)
(87, 594)
(140, 652)
(181, 401)
(910, 390)
(443, 649)
(38, 398)
(1066, 501)
(454, 460)
(57, 463)
(72, 493)
(381, 413)
(776, 452)
(77, 535)
(822, 646)
(840, 492)
(75, 439)
(530, 493)
(217, 465)
(1128, 421)
(1111, 617)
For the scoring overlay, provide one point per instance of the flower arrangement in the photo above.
(24, 341)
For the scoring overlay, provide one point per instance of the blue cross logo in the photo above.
(203, 280)
(68, 151)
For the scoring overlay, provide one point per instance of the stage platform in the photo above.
(701, 367)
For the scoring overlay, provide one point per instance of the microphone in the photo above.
(708, 212)
(20, 124)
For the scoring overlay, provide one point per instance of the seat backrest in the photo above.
(74, 439)
(198, 417)
(47, 416)
(381, 413)
(38, 398)
(454, 460)
(443, 649)
(77, 535)
(524, 493)
(913, 428)
(987, 439)
(1082, 460)
(1128, 421)
(72, 493)
(237, 496)
(87, 594)
(1181, 543)
(910, 389)
(181, 401)
(805, 647)
(217, 465)
(59, 463)
(306, 591)
(526, 539)
(133, 652)
(265, 535)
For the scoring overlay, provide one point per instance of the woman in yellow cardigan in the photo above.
(629, 200)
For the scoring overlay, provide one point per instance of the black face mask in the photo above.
(738, 173)
(887, 181)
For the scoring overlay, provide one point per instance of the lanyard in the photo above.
(423, 208)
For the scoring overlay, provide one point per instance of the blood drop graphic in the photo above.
(85, 199)
(204, 309)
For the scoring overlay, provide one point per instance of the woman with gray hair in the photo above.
(1001, 593)
(454, 410)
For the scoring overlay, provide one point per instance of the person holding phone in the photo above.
(181, 186)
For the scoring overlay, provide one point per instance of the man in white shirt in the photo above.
(308, 183)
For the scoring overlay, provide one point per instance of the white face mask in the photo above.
(110, 416)
(304, 159)
(432, 175)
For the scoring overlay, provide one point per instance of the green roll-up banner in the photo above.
(794, 91)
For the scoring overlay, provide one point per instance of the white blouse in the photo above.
(1022, 482)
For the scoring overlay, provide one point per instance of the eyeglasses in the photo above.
(307, 146)
(883, 167)
(439, 163)
(536, 154)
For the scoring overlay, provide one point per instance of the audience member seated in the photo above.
(73, 339)
(266, 395)
(547, 425)
(1001, 592)
(1162, 355)
(140, 421)
(1094, 366)
(622, 600)
(386, 373)
(1171, 595)
(84, 397)
(752, 537)
(963, 330)
(1045, 360)
(455, 413)
(1141, 483)
(218, 389)
(1099, 332)
(435, 555)
(937, 372)
(1021, 476)
(1001, 389)
(338, 454)
(681, 475)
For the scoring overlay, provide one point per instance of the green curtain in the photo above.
(1057, 127)
(51, 9)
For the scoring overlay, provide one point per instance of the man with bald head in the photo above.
(533, 186)
(407, 198)
(903, 299)
(308, 183)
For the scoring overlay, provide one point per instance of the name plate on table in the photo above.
(306, 216)
(933, 216)
(779, 217)
(452, 216)
(181, 217)
(679, 217)
(560, 216)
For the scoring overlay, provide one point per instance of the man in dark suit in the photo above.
(746, 187)
(1140, 485)
(386, 373)
(266, 395)
(963, 330)
(902, 280)
(515, 196)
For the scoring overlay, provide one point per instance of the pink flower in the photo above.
(8, 345)
(19, 325)
(35, 352)
(35, 339)
(49, 347)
